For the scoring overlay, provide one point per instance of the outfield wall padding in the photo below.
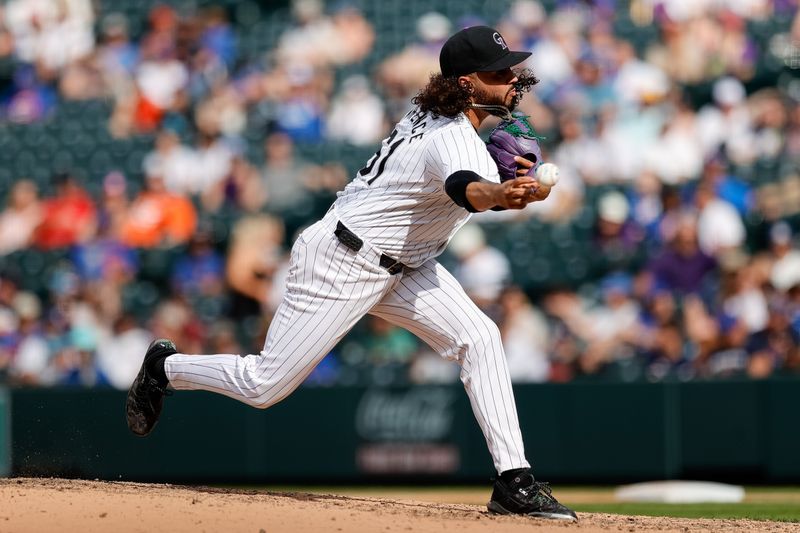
(5, 432)
(747, 431)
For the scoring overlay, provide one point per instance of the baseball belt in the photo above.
(352, 241)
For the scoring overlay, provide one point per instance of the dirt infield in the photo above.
(35, 505)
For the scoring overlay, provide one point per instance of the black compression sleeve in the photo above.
(456, 187)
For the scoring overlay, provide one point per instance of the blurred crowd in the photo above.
(675, 124)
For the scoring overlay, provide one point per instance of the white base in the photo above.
(680, 492)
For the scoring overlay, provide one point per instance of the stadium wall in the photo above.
(746, 431)
(5, 432)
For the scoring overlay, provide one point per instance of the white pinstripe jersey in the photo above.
(397, 202)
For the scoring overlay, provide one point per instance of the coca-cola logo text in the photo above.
(419, 414)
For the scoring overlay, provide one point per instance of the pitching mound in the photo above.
(35, 505)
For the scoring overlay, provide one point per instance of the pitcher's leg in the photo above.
(430, 303)
(329, 289)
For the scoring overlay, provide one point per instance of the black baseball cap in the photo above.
(477, 49)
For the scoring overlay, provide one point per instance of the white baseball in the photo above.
(547, 174)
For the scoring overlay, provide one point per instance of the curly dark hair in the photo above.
(444, 96)
(525, 82)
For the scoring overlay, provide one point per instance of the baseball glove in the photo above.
(514, 137)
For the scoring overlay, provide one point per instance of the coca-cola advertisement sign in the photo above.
(407, 432)
(419, 414)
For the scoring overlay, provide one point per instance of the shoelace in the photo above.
(544, 487)
(156, 385)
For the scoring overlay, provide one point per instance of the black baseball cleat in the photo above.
(526, 496)
(146, 395)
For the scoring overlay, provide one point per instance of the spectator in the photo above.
(31, 99)
(589, 91)
(387, 344)
(158, 218)
(719, 226)
(617, 236)
(175, 319)
(658, 336)
(483, 270)
(673, 215)
(160, 76)
(218, 38)
(119, 353)
(354, 36)
(308, 41)
(31, 361)
(647, 205)
(405, 73)
(429, 367)
(117, 59)
(785, 272)
(743, 298)
(716, 342)
(318, 40)
(356, 114)
(682, 266)
(74, 364)
(774, 348)
(283, 174)
(609, 325)
(525, 337)
(242, 189)
(222, 338)
(793, 128)
(222, 112)
(579, 152)
(727, 186)
(114, 204)
(302, 115)
(201, 271)
(637, 82)
(51, 34)
(177, 164)
(604, 329)
(675, 156)
(69, 218)
(117, 56)
(212, 162)
(554, 53)
(525, 22)
(728, 122)
(20, 218)
(104, 259)
(254, 258)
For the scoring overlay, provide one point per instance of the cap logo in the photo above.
(499, 40)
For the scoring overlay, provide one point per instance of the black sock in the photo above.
(156, 369)
(509, 475)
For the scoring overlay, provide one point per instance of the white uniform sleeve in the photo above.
(459, 148)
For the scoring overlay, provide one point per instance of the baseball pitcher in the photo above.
(375, 252)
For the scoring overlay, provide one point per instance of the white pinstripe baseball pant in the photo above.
(329, 288)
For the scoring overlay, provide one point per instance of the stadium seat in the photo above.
(156, 264)
(140, 298)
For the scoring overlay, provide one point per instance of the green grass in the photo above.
(772, 489)
(784, 512)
